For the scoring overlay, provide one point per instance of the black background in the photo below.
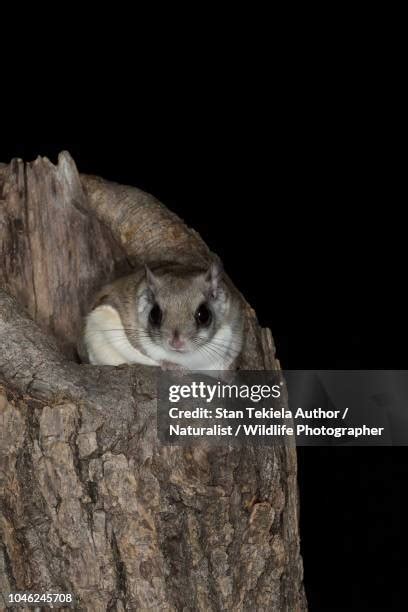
(308, 226)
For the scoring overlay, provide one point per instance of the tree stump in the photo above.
(90, 502)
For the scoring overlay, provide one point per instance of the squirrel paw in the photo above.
(169, 365)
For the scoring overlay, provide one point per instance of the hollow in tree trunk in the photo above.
(90, 502)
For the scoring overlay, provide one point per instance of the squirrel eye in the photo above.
(155, 315)
(203, 315)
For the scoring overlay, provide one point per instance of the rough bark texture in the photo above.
(89, 501)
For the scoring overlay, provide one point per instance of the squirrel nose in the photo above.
(176, 342)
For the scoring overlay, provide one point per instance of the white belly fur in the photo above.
(106, 340)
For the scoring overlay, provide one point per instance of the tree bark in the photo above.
(90, 502)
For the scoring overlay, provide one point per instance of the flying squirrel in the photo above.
(171, 315)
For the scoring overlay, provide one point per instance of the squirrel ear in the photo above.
(213, 277)
(151, 279)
